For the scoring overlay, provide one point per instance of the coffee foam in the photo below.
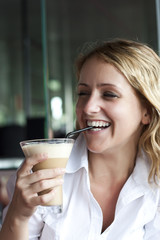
(61, 150)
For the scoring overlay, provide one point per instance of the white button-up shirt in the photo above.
(137, 215)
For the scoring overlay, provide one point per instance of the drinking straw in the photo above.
(78, 131)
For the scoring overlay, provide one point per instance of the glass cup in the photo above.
(58, 151)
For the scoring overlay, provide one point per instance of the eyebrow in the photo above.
(99, 85)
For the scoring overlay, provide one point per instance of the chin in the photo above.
(95, 149)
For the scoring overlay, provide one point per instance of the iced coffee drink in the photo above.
(58, 151)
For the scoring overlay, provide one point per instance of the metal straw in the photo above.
(78, 131)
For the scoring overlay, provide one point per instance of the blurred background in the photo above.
(39, 42)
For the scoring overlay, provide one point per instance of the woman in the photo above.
(111, 184)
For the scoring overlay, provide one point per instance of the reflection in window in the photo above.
(56, 108)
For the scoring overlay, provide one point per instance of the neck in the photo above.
(115, 166)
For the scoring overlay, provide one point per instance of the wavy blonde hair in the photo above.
(141, 67)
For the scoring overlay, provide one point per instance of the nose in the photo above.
(92, 105)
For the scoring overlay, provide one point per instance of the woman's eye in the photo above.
(110, 95)
(82, 93)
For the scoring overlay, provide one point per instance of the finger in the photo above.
(44, 185)
(28, 163)
(44, 199)
(44, 174)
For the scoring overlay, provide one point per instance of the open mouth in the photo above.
(98, 125)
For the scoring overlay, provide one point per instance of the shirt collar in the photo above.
(79, 156)
(137, 184)
(138, 180)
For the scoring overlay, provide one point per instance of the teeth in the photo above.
(96, 129)
(97, 124)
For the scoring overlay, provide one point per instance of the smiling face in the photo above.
(108, 102)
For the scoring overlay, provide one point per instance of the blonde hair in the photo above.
(141, 67)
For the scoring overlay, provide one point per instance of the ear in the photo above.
(146, 119)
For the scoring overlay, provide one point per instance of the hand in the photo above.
(29, 184)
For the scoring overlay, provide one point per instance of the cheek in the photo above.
(80, 105)
(126, 116)
(78, 110)
(116, 112)
(77, 107)
(121, 115)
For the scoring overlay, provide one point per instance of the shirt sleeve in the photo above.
(10, 191)
(36, 223)
(153, 228)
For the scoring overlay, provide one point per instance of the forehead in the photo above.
(97, 70)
